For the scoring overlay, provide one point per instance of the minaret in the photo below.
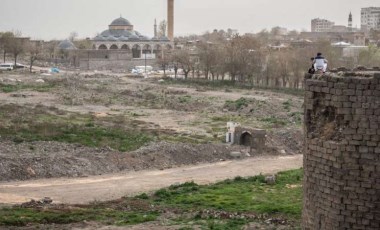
(171, 19)
(155, 28)
(350, 22)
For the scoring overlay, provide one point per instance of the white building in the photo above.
(321, 25)
(370, 18)
(122, 36)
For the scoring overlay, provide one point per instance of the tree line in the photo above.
(256, 59)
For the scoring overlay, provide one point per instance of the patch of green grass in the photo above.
(240, 195)
(22, 124)
(297, 117)
(236, 105)
(287, 104)
(228, 85)
(184, 99)
(25, 216)
(273, 121)
(8, 88)
(92, 136)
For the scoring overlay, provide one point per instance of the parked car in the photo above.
(6, 66)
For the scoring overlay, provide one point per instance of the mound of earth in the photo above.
(34, 160)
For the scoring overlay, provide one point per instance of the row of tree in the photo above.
(252, 60)
(13, 43)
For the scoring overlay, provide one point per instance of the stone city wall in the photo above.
(342, 149)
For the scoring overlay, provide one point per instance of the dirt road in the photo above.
(108, 187)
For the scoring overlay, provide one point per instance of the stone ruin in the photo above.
(342, 151)
(252, 138)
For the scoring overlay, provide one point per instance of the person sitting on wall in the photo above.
(320, 63)
(312, 70)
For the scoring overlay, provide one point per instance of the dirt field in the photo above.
(90, 124)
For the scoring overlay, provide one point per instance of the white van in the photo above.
(6, 66)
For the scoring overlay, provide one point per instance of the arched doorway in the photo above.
(136, 51)
(158, 51)
(125, 47)
(246, 139)
(114, 47)
(147, 49)
(102, 47)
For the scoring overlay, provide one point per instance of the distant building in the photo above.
(122, 36)
(354, 38)
(321, 25)
(339, 28)
(66, 45)
(370, 18)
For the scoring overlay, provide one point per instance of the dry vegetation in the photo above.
(80, 124)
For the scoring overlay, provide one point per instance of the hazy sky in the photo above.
(55, 19)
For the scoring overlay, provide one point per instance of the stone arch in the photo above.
(125, 47)
(136, 51)
(246, 139)
(147, 49)
(102, 47)
(114, 47)
(168, 47)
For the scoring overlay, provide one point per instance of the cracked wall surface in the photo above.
(342, 149)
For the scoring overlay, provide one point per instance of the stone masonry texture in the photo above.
(342, 149)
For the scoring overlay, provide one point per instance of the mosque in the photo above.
(121, 47)
(122, 36)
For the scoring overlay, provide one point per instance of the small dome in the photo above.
(123, 38)
(134, 37)
(111, 38)
(120, 22)
(66, 45)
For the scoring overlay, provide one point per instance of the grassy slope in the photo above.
(241, 195)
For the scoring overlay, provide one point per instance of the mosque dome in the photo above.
(66, 45)
(120, 22)
(121, 29)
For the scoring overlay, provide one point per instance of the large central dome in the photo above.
(120, 22)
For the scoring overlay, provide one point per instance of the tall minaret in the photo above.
(171, 19)
(350, 22)
(155, 28)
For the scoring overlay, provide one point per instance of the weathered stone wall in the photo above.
(342, 149)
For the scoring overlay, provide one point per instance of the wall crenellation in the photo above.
(342, 151)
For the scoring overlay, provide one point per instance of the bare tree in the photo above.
(370, 57)
(17, 45)
(185, 60)
(164, 60)
(34, 49)
(5, 43)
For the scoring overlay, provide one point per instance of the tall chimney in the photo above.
(171, 19)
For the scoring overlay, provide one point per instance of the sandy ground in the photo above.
(109, 187)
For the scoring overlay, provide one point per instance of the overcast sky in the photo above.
(55, 19)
